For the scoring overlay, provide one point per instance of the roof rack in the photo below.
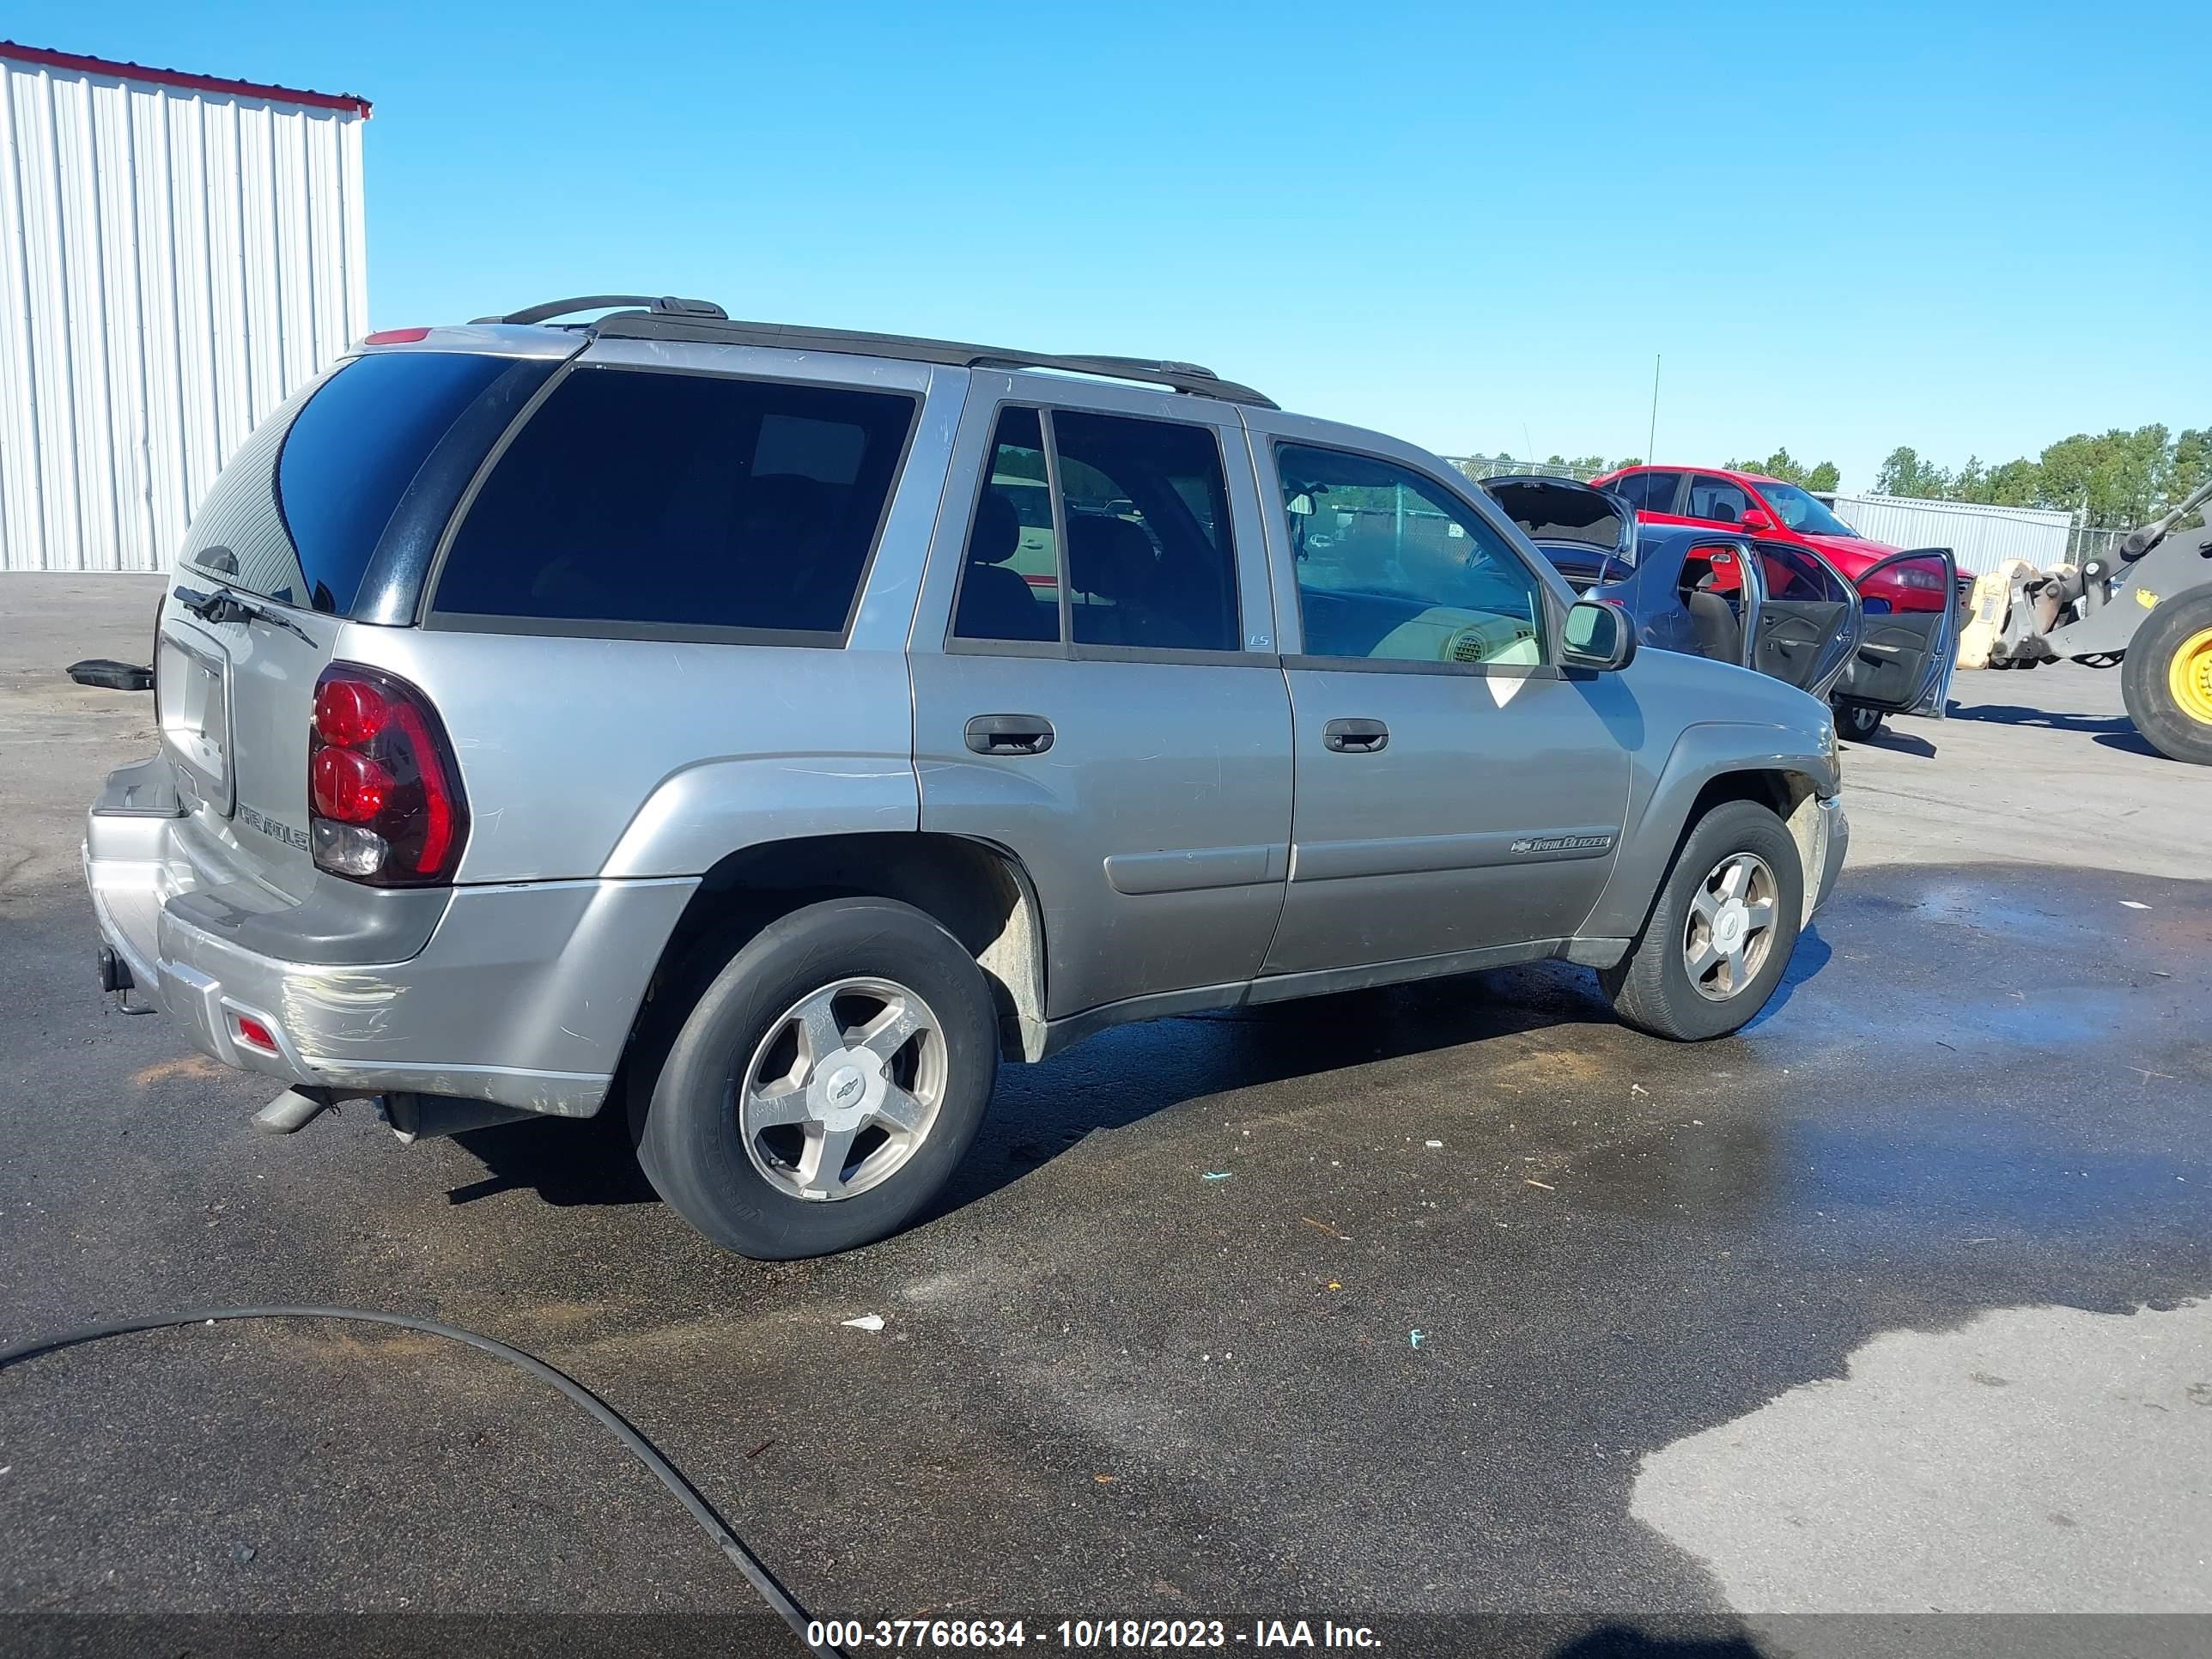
(702, 321)
(666, 305)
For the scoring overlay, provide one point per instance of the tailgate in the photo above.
(237, 696)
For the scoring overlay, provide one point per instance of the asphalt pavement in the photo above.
(1423, 1307)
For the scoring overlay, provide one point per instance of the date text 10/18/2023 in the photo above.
(1085, 1635)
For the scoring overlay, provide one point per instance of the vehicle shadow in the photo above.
(566, 1161)
(1130, 1073)
(1811, 956)
(2128, 741)
(1108, 1082)
(2006, 713)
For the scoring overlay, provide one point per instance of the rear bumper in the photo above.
(522, 993)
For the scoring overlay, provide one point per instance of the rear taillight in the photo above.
(384, 793)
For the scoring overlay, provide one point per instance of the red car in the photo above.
(1751, 504)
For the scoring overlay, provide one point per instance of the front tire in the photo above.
(1721, 931)
(2167, 677)
(825, 1084)
(1857, 722)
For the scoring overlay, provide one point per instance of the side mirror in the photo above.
(1757, 519)
(1600, 636)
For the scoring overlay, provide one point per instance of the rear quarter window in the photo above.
(648, 504)
(297, 514)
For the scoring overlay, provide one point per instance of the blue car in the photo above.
(1773, 606)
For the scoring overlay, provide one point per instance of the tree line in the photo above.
(2115, 479)
(1780, 465)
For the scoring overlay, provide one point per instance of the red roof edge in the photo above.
(344, 102)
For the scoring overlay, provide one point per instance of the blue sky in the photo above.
(1845, 228)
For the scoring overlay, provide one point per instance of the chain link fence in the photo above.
(1478, 467)
(2090, 540)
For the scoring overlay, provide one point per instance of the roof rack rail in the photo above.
(695, 320)
(664, 306)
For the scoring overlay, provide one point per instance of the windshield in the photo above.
(1801, 513)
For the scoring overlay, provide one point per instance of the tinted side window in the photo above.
(1009, 585)
(1150, 558)
(670, 503)
(1650, 492)
(299, 510)
(1393, 565)
(1717, 500)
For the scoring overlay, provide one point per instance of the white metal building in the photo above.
(1982, 537)
(177, 254)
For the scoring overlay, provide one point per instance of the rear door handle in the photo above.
(1355, 737)
(1010, 734)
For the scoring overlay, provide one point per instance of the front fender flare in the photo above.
(1660, 803)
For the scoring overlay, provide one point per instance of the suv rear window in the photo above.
(296, 514)
(640, 503)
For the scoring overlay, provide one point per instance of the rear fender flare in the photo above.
(699, 816)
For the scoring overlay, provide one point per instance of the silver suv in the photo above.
(765, 731)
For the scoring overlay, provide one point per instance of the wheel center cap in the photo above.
(847, 1087)
(1731, 925)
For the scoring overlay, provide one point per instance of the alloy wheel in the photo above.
(843, 1089)
(1731, 928)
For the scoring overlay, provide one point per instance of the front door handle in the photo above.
(1010, 734)
(1355, 737)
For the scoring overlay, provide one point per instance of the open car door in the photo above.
(1905, 657)
(1801, 619)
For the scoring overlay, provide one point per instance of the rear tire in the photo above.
(1654, 990)
(2167, 677)
(1857, 722)
(770, 1089)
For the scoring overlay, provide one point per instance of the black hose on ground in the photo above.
(756, 1574)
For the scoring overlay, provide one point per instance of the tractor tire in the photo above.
(2167, 679)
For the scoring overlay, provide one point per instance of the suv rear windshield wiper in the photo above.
(226, 605)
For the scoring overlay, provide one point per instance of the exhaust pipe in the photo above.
(293, 1111)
